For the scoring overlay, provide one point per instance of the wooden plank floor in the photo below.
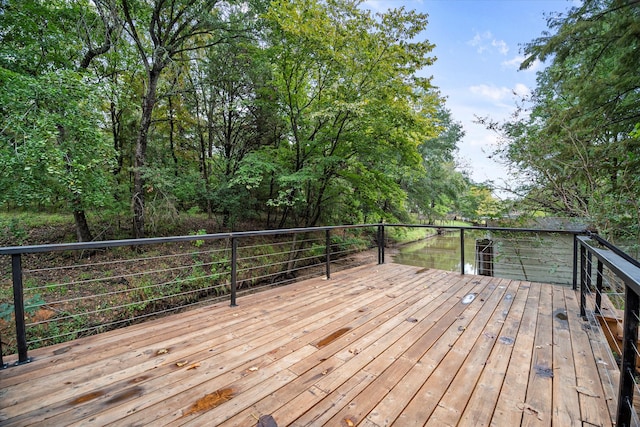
(376, 345)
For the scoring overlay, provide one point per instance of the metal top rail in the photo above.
(483, 228)
(628, 271)
(56, 247)
(30, 249)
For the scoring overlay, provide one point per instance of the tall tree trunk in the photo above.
(172, 147)
(82, 227)
(80, 219)
(137, 201)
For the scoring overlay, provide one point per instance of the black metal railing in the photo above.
(174, 272)
(96, 286)
(611, 298)
(536, 255)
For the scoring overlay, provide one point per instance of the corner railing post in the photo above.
(18, 306)
(234, 270)
(327, 237)
(583, 280)
(589, 269)
(462, 251)
(629, 354)
(575, 262)
(599, 287)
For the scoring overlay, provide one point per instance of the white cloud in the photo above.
(375, 5)
(384, 5)
(499, 93)
(486, 42)
(516, 61)
(521, 90)
(479, 41)
(485, 141)
(492, 92)
(501, 45)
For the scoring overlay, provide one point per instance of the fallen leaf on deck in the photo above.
(209, 401)
(349, 422)
(253, 368)
(162, 351)
(325, 372)
(194, 366)
(181, 364)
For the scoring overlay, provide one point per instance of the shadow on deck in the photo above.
(376, 345)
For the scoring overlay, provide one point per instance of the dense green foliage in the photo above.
(288, 113)
(575, 149)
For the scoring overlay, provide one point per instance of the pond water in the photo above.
(441, 252)
(546, 258)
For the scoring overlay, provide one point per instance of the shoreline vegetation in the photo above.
(68, 295)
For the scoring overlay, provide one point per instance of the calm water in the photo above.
(540, 258)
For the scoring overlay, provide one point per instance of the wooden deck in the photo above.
(376, 345)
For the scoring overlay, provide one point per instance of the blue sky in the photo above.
(478, 50)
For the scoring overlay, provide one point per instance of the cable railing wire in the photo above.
(121, 261)
(308, 251)
(109, 325)
(168, 275)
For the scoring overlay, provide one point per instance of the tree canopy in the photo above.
(575, 150)
(290, 113)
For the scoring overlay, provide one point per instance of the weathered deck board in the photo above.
(375, 346)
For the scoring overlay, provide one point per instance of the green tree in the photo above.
(573, 147)
(227, 96)
(478, 203)
(49, 43)
(354, 110)
(52, 150)
(434, 192)
(164, 32)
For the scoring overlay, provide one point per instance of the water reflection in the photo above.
(544, 258)
(441, 252)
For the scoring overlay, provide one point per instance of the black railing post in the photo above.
(628, 365)
(462, 251)
(575, 262)
(234, 270)
(18, 307)
(589, 269)
(328, 252)
(2, 364)
(583, 280)
(378, 240)
(381, 244)
(599, 287)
